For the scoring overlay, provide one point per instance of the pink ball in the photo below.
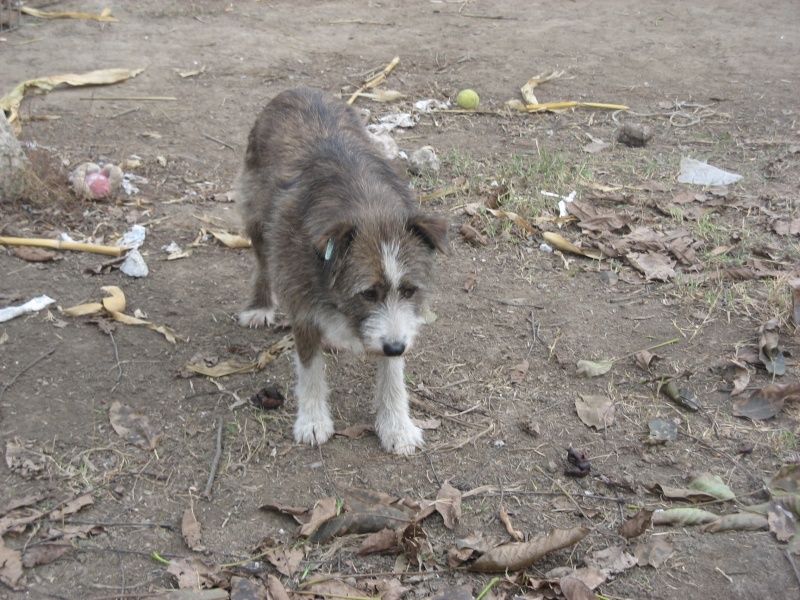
(98, 184)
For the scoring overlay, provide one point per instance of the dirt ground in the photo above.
(715, 81)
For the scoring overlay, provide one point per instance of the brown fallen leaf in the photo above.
(34, 254)
(781, 522)
(417, 547)
(245, 589)
(613, 559)
(653, 552)
(196, 573)
(506, 521)
(43, 554)
(520, 555)
(376, 518)
(71, 507)
(579, 463)
(595, 411)
(741, 377)
(768, 401)
(11, 573)
(469, 284)
(323, 511)
(652, 265)
(134, 427)
(643, 359)
(518, 372)
(190, 528)
(276, 589)
(637, 524)
(381, 542)
(355, 432)
(737, 522)
(448, 504)
(473, 236)
(768, 351)
(575, 589)
(287, 560)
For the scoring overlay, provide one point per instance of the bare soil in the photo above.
(737, 59)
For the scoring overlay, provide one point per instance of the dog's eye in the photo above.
(370, 295)
(407, 292)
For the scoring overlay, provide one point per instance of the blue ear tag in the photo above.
(329, 250)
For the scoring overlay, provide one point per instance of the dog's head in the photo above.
(380, 275)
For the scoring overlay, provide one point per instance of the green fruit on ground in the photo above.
(467, 99)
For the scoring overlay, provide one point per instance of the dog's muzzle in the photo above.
(394, 348)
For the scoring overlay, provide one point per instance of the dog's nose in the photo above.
(394, 348)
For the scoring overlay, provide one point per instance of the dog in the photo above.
(341, 248)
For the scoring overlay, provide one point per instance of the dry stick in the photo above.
(563, 491)
(116, 355)
(25, 368)
(790, 558)
(214, 463)
(64, 245)
(133, 98)
(219, 141)
(377, 80)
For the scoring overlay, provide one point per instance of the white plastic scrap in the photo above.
(35, 305)
(700, 173)
(427, 106)
(563, 208)
(389, 122)
(134, 265)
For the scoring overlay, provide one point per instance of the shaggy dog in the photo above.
(341, 248)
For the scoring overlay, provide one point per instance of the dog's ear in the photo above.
(432, 231)
(332, 241)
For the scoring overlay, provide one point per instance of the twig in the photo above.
(214, 463)
(488, 587)
(64, 245)
(133, 98)
(790, 558)
(169, 526)
(25, 368)
(563, 491)
(433, 469)
(219, 141)
(125, 112)
(507, 303)
(116, 355)
(377, 80)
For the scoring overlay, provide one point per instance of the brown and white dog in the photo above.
(341, 248)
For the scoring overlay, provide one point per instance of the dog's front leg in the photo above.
(313, 424)
(395, 429)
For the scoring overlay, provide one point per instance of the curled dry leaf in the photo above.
(737, 522)
(376, 518)
(190, 528)
(381, 542)
(559, 242)
(653, 552)
(683, 517)
(245, 589)
(134, 427)
(448, 504)
(11, 573)
(579, 463)
(286, 560)
(637, 524)
(652, 265)
(575, 589)
(643, 358)
(768, 401)
(782, 522)
(520, 555)
(506, 521)
(473, 236)
(768, 352)
(741, 377)
(587, 368)
(518, 372)
(43, 554)
(595, 411)
(613, 559)
(196, 573)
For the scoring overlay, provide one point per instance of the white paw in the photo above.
(402, 440)
(257, 317)
(313, 431)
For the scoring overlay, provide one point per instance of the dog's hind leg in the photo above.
(313, 424)
(261, 309)
(393, 424)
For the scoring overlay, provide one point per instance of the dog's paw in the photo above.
(314, 432)
(403, 441)
(257, 317)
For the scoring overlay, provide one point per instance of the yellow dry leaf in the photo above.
(514, 218)
(11, 101)
(382, 95)
(566, 246)
(104, 16)
(566, 105)
(114, 305)
(516, 105)
(231, 240)
(235, 367)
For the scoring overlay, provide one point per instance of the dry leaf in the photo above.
(506, 521)
(448, 504)
(587, 368)
(34, 254)
(781, 522)
(771, 356)
(613, 560)
(11, 572)
(637, 524)
(134, 427)
(381, 542)
(190, 528)
(43, 554)
(11, 101)
(653, 552)
(520, 555)
(575, 589)
(654, 266)
(768, 401)
(514, 218)
(195, 573)
(794, 285)
(473, 236)
(71, 507)
(562, 244)
(198, 364)
(287, 560)
(469, 284)
(741, 377)
(683, 517)
(737, 522)
(104, 17)
(595, 411)
(324, 510)
(231, 240)
(276, 588)
(518, 372)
